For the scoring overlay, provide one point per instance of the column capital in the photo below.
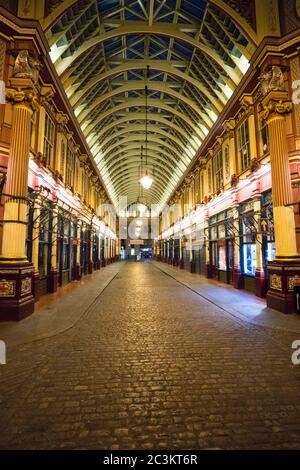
(276, 103)
(25, 94)
(24, 91)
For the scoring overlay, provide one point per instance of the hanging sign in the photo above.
(264, 225)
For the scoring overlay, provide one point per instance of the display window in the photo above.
(220, 238)
(222, 264)
(66, 245)
(267, 228)
(44, 254)
(249, 259)
(271, 251)
(249, 235)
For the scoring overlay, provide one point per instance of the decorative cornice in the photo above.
(229, 125)
(61, 118)
(46, 93)
(83, 159)
(247, 101)
(70, 135)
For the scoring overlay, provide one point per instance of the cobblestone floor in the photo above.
(152, 365)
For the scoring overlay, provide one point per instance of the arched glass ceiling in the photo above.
(197, 52)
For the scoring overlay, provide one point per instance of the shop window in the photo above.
(48, 139)
(244, 145)
(267, 227)
(249, 259)
(222, 255)
(44, 242)
(29, 234)
(219, 170)
(249, 229)
(271, 251)
(66, 246)
(70, 167)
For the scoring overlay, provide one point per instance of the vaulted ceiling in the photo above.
(196, 52)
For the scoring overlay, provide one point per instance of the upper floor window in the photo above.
(62, 157)
(264, 136)
(48, 139)
(244, 144)
(209, 180)
(85, 187)
(202, 186)
(33, 130)
(70, 167)
(227, 163)
(219, 169)
(186, 201)
(197, 188)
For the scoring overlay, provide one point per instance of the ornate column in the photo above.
(16, 273)
(286, 266)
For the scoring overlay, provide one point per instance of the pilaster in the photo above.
(283, 270)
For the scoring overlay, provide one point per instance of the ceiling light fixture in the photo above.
(146, 179)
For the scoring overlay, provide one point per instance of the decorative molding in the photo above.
(293, 281)
(7, 288)
(234, 180)
(229, 125)
(61, 119)
(271, 80)
(26, 286)
(26, 66)
(276, 282)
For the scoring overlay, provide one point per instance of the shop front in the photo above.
(268, 237)
(85, 248)
(45, 224)
(64, 251)
(221, 247)
(96, 252)
(249, 241)
(74, 250)
(176, 250)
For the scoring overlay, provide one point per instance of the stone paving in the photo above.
(151, 365)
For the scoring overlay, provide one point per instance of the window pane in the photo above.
(249, 259)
